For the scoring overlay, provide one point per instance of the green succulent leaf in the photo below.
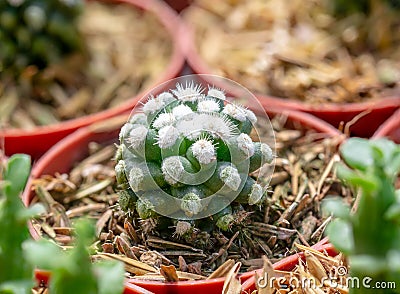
(110, 277)
(17, 173)
(368, 265)
(45, 254)
(366, 181)
(393, 213)
(336, 207)
(16, 287)
(341, 235)
(357, 153)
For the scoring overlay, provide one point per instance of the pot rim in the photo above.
(171, 22)
(389, 126)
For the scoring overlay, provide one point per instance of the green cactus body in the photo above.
(188, 154)
(38, 33)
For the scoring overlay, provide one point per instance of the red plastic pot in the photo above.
(390, 128)
(38, 140)
(333, 113)
(43, 277)
(286, 264)
(73, 148)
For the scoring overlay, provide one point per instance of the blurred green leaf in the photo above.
(17, 172)
(341, 235)
(110, 277)
(16, 287)
(368, 265)
(393, 213)
(365, 181)
(357, 153)
(336, 207)
(45, 254)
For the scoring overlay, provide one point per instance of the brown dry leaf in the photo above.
(267, 273)
(132, 266)
(169, 273)
(315, 267)
(232, 285)
(222, 270)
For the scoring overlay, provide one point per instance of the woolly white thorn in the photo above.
(245, 144)
(137, 137)
(165, 97)
(172, 169)
(230, 176)
(251, 116)
(256, 194)
(190, 92)
(217, 125)
(167, 136)
(208, 105)
(181, 110)
(204, 151)
(216, 93)
(266, 153)
(136, 178)
(183, 227)
(235, 111)
(138, 118)
(191, 204)
(153, 105)
(164, 119)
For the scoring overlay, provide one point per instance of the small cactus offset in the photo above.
(37, 32)
(187, 156)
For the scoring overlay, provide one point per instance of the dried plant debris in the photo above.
(318, 273)
(303, 176)
(300, 50)
(126, 50)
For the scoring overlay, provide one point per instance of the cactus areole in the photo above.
(188, 154)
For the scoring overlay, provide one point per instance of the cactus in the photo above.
(370, 237)
(188, 156)
(37, 32)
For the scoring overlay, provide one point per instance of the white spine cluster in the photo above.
(165, 97)
(216, 93)
(245, 144)
(251, 116)
(204, 151)
(167, 137)
(153, 105)
(230, 176)
(136, 179)
(208, 105)
(164, 119)
(266, 153)
(256, 194)
(137, 137)
(191, 204)
(138, 118)
(213, 123)
(172, 169)
(189, 93)
(181, 111)
(235, 111)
